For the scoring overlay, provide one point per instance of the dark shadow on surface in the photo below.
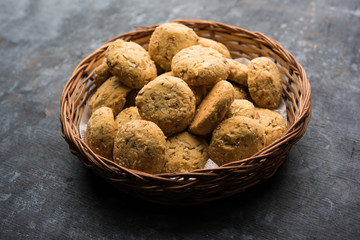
(168, 219)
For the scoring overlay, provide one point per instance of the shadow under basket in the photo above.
(206, 184)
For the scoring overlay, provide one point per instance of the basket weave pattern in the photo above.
(205, 184)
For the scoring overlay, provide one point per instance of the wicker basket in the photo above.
(205, 184)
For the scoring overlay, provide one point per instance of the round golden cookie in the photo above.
(167, 40)
(199, 65)
(100, 132)
(101, 73)
(236, 138)
(238, 72)
(240, 92)
(213, 108)
(264, 82)
(274, 124)
(241, 107)
(131, 63)
(205, 42)
(185, 153)
(140, 145)
(168, 102)
(126, 115)
(112, 93)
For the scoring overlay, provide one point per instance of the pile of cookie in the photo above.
(184, 100)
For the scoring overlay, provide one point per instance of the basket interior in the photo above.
(241, 43)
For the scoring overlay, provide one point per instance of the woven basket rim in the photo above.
(115, 173)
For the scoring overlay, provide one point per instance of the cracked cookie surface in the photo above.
(131, 63)
(126, 115)
(206, 42)
(140, 145)
(168, 102)
(240, 92)
(236, 138)
(101, 73)
(241, 107)
(238, 72)
(185, 152)
(213, 108)
(167, 40)
(112, 93)
(264, 82)
(199, 65)
(273, 122)
(100, 132)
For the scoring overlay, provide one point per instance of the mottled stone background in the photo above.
(46, 192)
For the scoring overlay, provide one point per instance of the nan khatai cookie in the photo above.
(264, 82)
(112, 93)
(100, 132)
(241, 107)
(101, 73)
(238, 72)
(213, 108)
(273, 122)
(199, 65)
(185, 153)
(126, 115)
(240, 92)
(168, 102)
(205, 42)
(236, 138)
(140, 145)
(131, 63)
(167, 40)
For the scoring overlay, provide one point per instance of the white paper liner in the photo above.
(210, 164)
(83, 121)
(242, 60)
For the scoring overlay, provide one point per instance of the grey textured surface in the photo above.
(45, 191)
